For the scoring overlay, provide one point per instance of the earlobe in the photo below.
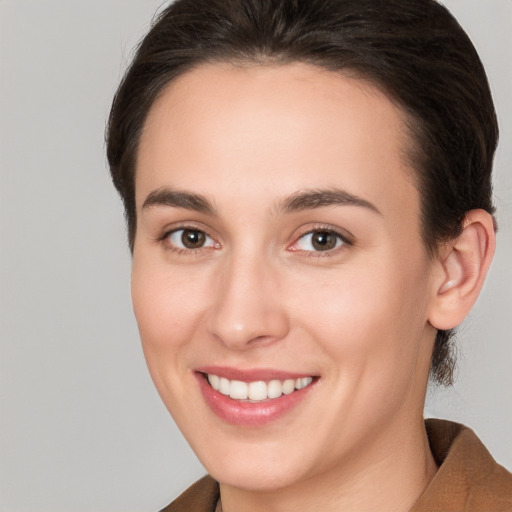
(463, 264)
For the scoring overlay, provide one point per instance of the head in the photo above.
(414, 51)
(405, 62)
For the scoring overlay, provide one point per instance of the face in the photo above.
(278, 254)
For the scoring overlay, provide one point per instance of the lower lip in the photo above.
(250, 414)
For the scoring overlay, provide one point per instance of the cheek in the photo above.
(369, 318)
(166, 305)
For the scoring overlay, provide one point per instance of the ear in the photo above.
(462, 265)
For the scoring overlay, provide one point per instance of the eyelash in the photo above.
(344, 239)
(164, 239)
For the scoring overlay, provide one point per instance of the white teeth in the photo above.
(288, 386)
(224, 385)
(238, 390)
(303, 382)
(275, 389)
(258, 390)
(214, 381)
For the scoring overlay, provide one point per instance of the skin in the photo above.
(257, 294)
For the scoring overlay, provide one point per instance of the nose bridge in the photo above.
(247, 307)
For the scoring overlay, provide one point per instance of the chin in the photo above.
(254, 466)
(255, 477)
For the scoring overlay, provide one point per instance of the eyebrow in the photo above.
(178, 199)
(302, 200)
(317, 198)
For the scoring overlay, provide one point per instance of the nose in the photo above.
(248, 308)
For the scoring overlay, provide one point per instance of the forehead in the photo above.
(285, 128)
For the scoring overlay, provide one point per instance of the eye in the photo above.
(188, 238)
(320, 240)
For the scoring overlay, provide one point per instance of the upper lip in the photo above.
(252, 374)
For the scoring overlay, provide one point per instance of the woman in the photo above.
(308, 193)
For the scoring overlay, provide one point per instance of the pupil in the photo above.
(323, 241)
(192, 239)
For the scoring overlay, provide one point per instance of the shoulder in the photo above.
(468, 479)
(199, 497)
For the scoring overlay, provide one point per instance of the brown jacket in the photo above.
(468, 479)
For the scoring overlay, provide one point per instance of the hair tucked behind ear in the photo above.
(413, 50)
(442, 367)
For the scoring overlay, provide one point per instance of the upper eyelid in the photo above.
(188, 228)
(343, 234)
(166, 231)
(325, 230)
(344, 242)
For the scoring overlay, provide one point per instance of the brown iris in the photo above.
(193, 238)
(323, 240)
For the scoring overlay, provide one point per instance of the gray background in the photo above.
(81, 427)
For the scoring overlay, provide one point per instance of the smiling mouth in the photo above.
(257, 391)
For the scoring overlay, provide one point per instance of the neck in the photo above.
(388, 473)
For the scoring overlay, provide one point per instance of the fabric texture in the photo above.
(468, 479)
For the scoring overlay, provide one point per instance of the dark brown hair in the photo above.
(413, 50)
